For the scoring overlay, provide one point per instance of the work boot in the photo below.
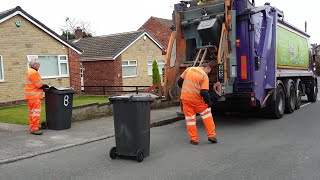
(37, 132)
(193, 142)
(213, 140)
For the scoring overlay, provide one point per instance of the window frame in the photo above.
(160, 71)
(128, 65)
(2, 69)
(59, 65)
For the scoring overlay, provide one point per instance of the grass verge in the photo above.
(19, 114)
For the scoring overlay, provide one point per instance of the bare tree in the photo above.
(68, 30)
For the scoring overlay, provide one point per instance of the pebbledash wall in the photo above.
(18, 42)
(141, 51)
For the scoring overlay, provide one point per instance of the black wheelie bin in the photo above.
(58, 108)
(132, 126)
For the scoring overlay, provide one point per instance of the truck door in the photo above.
(263, 52)
(244, 49)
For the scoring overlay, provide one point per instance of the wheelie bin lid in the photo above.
(131, 98)
(60, 90)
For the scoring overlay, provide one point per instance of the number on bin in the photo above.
(66, 100)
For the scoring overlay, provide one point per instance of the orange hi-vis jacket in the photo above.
(195, 79)
(33, 84)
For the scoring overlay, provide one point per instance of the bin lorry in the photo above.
(258, 60)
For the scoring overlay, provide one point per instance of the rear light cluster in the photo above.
(253, 101)
(244, 71)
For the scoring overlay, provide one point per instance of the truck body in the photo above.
(258, 60)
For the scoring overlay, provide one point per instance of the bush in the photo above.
(155, 73)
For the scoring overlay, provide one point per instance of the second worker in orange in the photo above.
(195, 98)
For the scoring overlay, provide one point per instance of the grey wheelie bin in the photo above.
(132, 126)
(58, 107)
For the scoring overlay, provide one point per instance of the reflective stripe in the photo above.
(190, 90)
(191, 83)
(28, 82)
(27, 93)
(35, 110)
(206, 116)
(206, 110)
(190, 117)
(34, 114)
(40, 82)
(191, 123)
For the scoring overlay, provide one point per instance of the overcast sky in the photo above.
(115, 16)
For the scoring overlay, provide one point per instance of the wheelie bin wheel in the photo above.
(113, 153)
(139, 155)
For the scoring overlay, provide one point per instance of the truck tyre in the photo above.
(278, 106)
(312, 96)
(298, 93)
(291, 97)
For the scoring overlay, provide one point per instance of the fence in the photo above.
(104, 90)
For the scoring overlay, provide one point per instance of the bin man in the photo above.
(194, 84)
(34, 93)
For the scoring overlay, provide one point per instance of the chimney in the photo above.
(78, 33)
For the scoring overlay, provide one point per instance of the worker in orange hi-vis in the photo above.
(195, 98)
(34, 93)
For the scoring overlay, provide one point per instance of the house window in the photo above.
(52, 66)
(160, 66)
(1, 69)
(129, 68)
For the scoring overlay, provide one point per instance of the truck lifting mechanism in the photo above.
(258, 60)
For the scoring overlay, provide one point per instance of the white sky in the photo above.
(109, 17)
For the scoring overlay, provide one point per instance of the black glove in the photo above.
(44, 86)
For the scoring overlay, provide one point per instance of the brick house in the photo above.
(123, 59)
(24, 37)
(159, 28)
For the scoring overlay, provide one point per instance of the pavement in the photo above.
(16, 142)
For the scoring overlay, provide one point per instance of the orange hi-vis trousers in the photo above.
(34, 113)
(190, 109)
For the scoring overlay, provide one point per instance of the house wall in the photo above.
(15, 44)
(158, 30)
(74, 70)
(102, 73)
(142, 51)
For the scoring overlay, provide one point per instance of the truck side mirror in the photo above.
(257, 63)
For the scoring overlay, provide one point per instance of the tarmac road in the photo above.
(248, 148)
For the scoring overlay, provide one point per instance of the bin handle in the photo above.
(130, 98)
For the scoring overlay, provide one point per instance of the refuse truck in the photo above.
(259, 61)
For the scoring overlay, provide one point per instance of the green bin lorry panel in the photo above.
(292, 49)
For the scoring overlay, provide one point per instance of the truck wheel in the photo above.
(278, 106)
(312, 96)
(298, 93)
(291, 98)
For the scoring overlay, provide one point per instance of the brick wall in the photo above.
(102, 73)
(15, 44)
(142, 51)
(160, 31)
(74, 70)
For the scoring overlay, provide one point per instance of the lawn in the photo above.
(19, 114)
